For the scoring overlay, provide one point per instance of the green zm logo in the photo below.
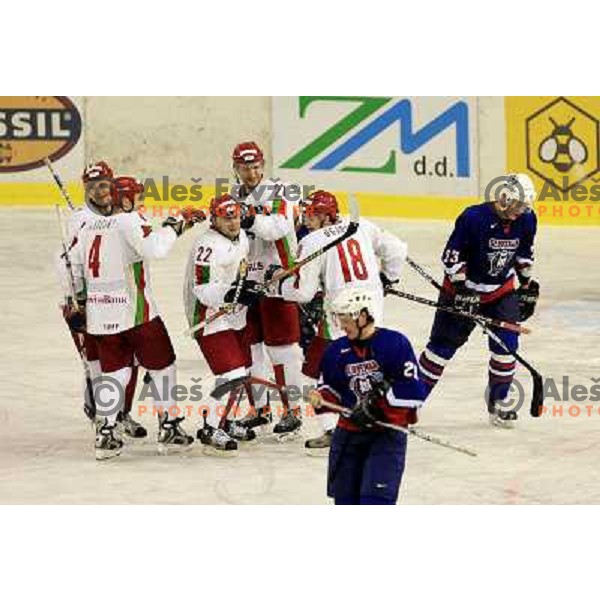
(366, 126)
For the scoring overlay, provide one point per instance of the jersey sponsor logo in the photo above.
(342, 144)
(362, 368)
(504, 244)
(35, 127)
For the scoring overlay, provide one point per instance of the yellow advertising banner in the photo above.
(556, 140)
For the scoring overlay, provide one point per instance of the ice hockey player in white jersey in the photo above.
(215, 279)
(109, 259)
(371, 259)
(97, 178)
(273, 322)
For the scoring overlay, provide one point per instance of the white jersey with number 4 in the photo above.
(354, 262)
(212, 268)
(109, 261)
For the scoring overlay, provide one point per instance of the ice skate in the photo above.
(503, 419)
(237, 431)
(257, 418)
(172, 437)
(130, 427)
(216, 442)
(108, 442)
(289, 425)
(319, 446)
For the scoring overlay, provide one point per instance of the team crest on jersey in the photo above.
(363, 377)
(499, 261)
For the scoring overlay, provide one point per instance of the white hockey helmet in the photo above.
(351, 301)
(517, 191)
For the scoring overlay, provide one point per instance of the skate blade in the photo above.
(287, 437)
(500, 423)
(253, 442)
(171, 449)
(212, 451)
(107, 454)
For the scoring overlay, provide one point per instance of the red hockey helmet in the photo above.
(125, 187)
(224, 206)
(97, 171)
(247, 153)
(321, 203)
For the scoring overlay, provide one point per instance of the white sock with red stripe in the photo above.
(287, 366)
(260, 369)
(164, 381)
(110, 394)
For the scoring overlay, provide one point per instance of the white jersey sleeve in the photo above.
(306, 283)
(390, 250)
(146, 242)
(276, 222)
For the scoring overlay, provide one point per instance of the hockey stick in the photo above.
(346, 412)
(537, 400)
(60, 184)
(88, 408)
(508, 325)
(229, 307)
(350, 231)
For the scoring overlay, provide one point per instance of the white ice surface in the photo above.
(46, 453)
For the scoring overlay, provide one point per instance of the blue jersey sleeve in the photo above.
(524, 257)
(407, 389)
(456, 250)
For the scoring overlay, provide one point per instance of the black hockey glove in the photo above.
(311, 314)
(248, 215)
(387, 283)
(75, 317)
(176, 223)
(248, 295)
(528, 297)
(365, 411)
(466, 300)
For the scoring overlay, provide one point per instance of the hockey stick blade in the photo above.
(229, 386)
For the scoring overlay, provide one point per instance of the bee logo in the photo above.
(562, 142)
(562, 148)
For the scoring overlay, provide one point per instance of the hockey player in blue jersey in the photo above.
(489, 251)
(373, 372)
